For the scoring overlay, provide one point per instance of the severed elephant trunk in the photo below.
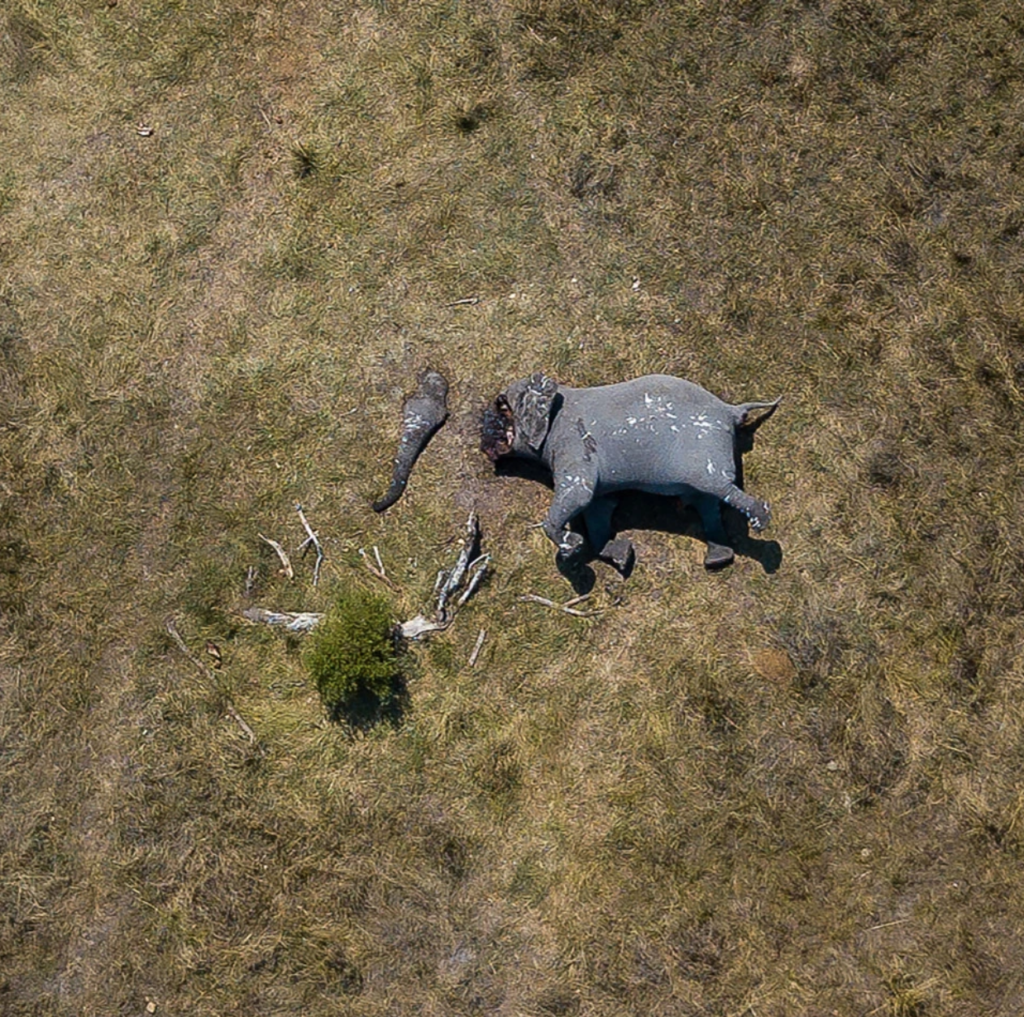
(423, 414)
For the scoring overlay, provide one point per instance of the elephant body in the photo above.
(658, 434)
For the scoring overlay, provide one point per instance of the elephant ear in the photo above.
(533, 416)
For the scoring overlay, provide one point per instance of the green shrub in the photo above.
(351, 654)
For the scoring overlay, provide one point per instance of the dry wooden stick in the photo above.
(478, 570)
(476, 649)
(172, 630)
(577, 600)
(266, 119)
(533, 598)
(378, 572)
(288, 570)
(311, 539)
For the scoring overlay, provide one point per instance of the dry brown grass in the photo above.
(774, 791)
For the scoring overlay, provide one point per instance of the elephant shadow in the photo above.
(639, 511)
(636, 510)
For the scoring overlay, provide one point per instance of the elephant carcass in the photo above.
(657, 434)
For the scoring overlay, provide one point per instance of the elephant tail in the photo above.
(422, 416)
(744, 410)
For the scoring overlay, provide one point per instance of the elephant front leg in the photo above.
(598, 517)
(573, 493)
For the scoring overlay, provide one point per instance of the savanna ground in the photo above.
(792, 788)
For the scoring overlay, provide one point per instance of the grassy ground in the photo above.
(791, 788)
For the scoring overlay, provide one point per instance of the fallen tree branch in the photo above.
(416, 628)
(479, 570)
(311, 539)
(293, 621)
(287, 570)
(450, 582)
(229, 706)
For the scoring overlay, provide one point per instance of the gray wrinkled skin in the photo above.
(422, 416)
(658, 434)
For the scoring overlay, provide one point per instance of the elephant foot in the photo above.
(758, 512)
(621, 554)
(570, 545)
(718, 556)
(762, 517)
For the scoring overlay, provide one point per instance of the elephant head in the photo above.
(518, 422)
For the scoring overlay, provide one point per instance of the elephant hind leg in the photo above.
(718, 554)
(758, 512)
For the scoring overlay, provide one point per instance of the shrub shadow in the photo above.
(366, 710)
